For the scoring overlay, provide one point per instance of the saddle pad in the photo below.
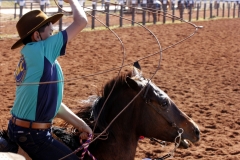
(11, 156)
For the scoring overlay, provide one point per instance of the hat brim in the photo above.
(52, 19)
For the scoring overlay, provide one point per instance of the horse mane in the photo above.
(91, 112)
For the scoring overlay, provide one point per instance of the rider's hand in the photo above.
(86, 131)
(84, 135)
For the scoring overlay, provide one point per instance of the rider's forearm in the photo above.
(79, 19)
(66, 114)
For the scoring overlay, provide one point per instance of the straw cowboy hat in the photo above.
(31, 22)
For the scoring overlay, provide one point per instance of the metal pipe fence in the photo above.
(144, 11)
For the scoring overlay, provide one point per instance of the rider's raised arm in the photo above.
(79, 19)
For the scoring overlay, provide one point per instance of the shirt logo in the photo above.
(20, 71)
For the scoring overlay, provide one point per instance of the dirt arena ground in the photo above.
(201, 75)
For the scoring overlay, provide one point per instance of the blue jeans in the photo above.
(39, 144)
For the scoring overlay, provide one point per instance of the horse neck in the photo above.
(121, 142)
(122, 139)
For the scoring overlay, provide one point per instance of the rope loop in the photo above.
(85, 148)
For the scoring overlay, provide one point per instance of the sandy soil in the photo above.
(201, 75)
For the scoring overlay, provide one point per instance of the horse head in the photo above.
(158, 115)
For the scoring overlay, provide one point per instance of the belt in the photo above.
(27, 124)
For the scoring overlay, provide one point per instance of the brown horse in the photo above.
(151, 114)
(145, 111)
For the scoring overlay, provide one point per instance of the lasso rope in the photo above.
(160, 51)
(114, 85)
(166, 156)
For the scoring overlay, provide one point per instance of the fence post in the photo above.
(218, 7)
(22, 2)
(31, 1)
(173, 10)
(228, 8)
(164, 10)
(204, 12)
(83, 4)
(133, 11)
(60, 3)
(238, 8)
(15, 9)
(210, 8)
(234, 7)
(198, 7)
(190, 10)
(121, 14)
(42, 3)
(154, 12)
(223, 8)
(181, 9)
(144, 4)
(93, 14)
(0, 15)
(107, 12)
(115, 4)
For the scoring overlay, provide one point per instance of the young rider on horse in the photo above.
(39, 81)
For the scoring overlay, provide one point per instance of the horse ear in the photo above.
(137, 65)
(136, 70)
(132, 84)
